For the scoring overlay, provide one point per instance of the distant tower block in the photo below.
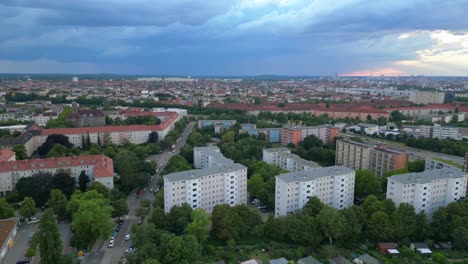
(75, 79)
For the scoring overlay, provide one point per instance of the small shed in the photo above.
(421, 247)
(387, 248)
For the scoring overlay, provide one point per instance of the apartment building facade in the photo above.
(33, 136)
(384, 159)
(427, 97)
(217, 180)
(273, 135)
(429, 190)
(295, 134)
(353, 154)
(98, 167)
(283, 158)
(377, 159)
(332, 185)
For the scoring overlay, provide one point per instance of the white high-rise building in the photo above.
(217, 180)
(429, 190)
(75, 79)
(283, 158)
(332, 185)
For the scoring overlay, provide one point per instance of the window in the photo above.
(195, 184)
(194, 190)
(195, 195)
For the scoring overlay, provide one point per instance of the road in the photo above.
(417, 153)
(100, 253)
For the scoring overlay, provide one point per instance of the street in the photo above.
(100, 253)
(414, 152)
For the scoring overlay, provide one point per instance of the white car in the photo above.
(111, 244)
(127, 237)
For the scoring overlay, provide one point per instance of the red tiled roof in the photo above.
(103, 166)
(171, 116)
(6, 154)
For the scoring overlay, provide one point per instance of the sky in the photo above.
(235, 37)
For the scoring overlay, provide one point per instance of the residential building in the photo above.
(283, 158)
(8, 231)
(384, 159)
(86, 117)
(219, 125)
(75, 79)
(427, 97)
(295, 134)
(332, 185)
(375, 158)
(7, 155)
(353, 154)
(433, 164)
(217, 180)
(429, 190)
(33, 136)
(98, 167)
(273, 135)
(443, 132)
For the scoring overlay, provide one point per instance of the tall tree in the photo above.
(5, 209)
(51, 141)
(83, 181)
(91, 215)
(313, 206)
(199, 225)
(120, 208)
(366, 183)
(405, 222)
(100, 188)
(153, 137)
(20, 151)
(332, 223)
(50, 244)
(28, 208)
(62, 180)
(379, 227)
(58, 202)
(37, 187)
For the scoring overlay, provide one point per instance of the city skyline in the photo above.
(280, 37)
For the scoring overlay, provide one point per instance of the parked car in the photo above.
(111, 244)
(22, 260)
(115, 234)
(127, 237)
(130, 249)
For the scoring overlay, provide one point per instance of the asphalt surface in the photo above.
(414, 152)
(100, 253)
(25, 232)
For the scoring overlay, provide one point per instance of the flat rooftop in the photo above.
(314, 174)
(428, 175)
(199, 173)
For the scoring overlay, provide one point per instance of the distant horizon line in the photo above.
(227, 75)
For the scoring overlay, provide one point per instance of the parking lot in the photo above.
(25, 232)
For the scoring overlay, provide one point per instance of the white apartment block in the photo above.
(283, 158)
(333, 185)
(443, 132)
(217, 180)
(429, 190)
(352, 154)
